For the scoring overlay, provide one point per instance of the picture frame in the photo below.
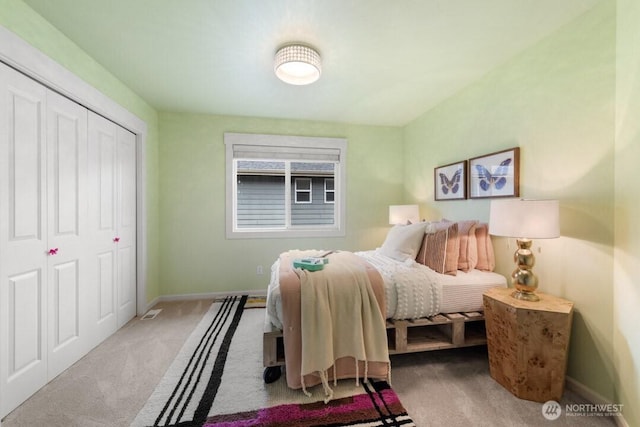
(450, 181)
(495, 175)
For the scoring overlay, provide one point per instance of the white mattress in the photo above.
(462, 292)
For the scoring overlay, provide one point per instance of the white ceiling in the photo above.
(384, 62)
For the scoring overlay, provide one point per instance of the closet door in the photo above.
(23, 233)
(126, 226)
(112, 223)
(68, 278)
(67, 233)
(102, 158)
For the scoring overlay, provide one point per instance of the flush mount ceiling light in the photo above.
(297, 64)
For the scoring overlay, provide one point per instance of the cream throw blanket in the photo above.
(340, 318)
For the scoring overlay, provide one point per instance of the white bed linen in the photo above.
(411, 289)
(442, 293)
(463, 292)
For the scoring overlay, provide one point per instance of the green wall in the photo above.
(19, 18)
(195, 255)
(556, 102)
(627, 203)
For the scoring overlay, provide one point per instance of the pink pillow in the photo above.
(440, 249)
(486, 258)
(468, 258)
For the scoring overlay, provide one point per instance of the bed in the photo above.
(432, 279)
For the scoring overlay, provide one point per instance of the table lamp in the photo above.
(524, 220)
(403, 214)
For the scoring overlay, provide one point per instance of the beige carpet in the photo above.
(109, 385)
(112, 383)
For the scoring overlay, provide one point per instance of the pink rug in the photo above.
(378, 405)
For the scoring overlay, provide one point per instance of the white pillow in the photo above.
(403, 241)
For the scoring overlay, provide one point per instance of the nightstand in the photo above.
(528, 343)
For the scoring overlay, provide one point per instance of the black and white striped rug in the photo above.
(189, 387)
(216, 380)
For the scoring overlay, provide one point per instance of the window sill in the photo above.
(285, 234)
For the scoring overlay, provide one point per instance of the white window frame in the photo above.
(298, 148)
(303, 190)
(329, 191)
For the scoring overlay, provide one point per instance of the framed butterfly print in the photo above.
(495, 175)
(451, 181)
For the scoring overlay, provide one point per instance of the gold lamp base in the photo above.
(525, 296)
(522, 277)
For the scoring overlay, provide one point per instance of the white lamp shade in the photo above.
(401, 214)
(530, 219)
(297, 64)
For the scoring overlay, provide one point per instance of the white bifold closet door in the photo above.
(67, 233)
(68, 275)
(126, 226)
(23, 239)
(112, 221)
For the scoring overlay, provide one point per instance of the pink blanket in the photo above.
(290, 292)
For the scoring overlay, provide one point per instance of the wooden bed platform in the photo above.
(437, 332)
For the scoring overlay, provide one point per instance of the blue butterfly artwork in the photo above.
(452, 184)
(497, 179)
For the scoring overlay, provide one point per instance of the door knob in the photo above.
(116, 239)
(53, 251)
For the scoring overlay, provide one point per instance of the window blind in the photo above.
(242, 151)
(284, 147)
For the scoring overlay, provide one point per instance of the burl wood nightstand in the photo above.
(528, 343)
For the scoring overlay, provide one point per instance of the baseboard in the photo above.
(210, 295)
(592, 397)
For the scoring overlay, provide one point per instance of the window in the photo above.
(329, 190)
(284, 186)
(303, 190)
